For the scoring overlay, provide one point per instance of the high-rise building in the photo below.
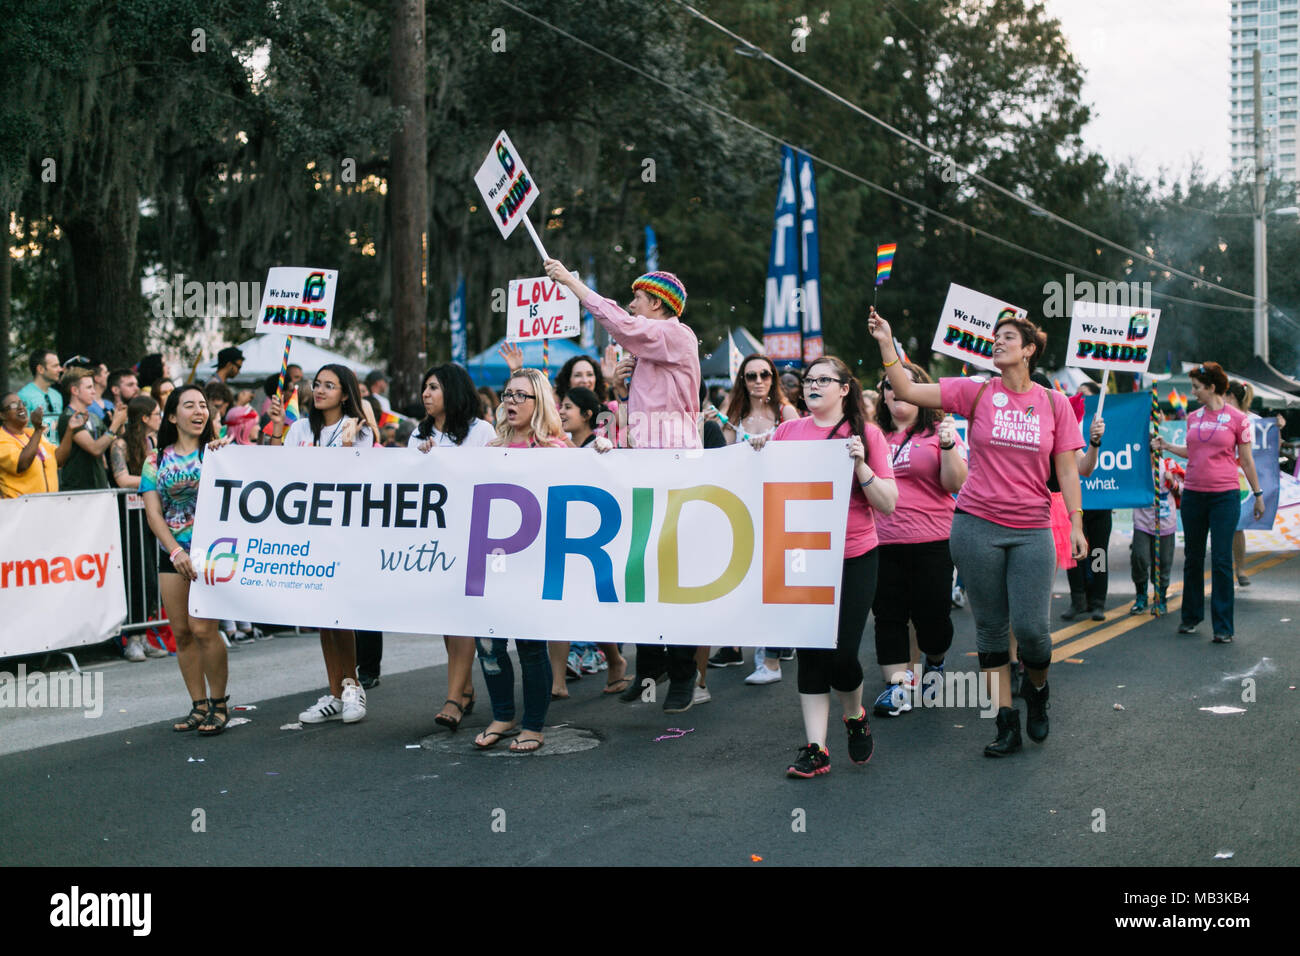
(1272, 27)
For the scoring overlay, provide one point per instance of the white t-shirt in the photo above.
(480, 434)
(331, 436)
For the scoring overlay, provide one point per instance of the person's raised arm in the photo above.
(952, 466)
(555, 269)
(64, 451)
(1088, 462)
(920, 394)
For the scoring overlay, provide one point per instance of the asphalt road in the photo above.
(1161, 781)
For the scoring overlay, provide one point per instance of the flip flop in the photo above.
(497, 737)
(617, 686)
(521, 746)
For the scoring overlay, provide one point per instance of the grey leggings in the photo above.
(1008, 575)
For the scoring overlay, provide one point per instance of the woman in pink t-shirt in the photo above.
(834, 400)
(527, 418)
(929, 463)
(1001, 537)
(1218, 439)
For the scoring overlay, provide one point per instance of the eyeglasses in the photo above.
(78, 360)
(822, 381)
(763, 376)
(516, 398)
(327, 386)
(11, 405)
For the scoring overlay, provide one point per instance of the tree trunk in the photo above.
(408, 191)
(110, 320)
(6, 289)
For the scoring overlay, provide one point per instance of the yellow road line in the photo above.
(1175, 603)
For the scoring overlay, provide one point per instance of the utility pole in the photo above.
(1260, 194)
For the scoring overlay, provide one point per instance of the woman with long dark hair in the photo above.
(1001, 538)
(338, 419)
(834, 400)
(581, 371)
(757, 403)
(1219, 437)
(915, 579)
(170, 485)
(451, 420)
(127, 455)
(1241, 395)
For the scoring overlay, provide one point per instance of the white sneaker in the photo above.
(354, 701)
(764, 675)
(134, 650)
(702, 695)
(328, 707)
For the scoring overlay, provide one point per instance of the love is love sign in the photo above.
(540, 309)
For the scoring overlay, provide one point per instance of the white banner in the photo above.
(966, 326)
(647, 546)
(298, 302)
(61, 581)
(1116, 337)
(506, 185)
(540, 309)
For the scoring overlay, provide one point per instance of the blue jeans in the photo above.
(1212, 513)
(499, 675)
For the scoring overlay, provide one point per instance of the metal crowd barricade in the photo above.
(139, 564)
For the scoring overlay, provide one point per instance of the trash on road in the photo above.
(1224, 709)
(193, 760)
(1223, 855)
(244, 707)
(1119, 706)
(412, 746)
(755, 858)
(296, 725)
(674, 733)
(236, 721)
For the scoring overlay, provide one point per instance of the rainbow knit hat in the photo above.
(666, 286)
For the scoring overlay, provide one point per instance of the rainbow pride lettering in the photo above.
(968, 342)
(518, 191)
(594, 549)
(289, 315)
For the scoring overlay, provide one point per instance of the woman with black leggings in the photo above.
(834, 400)
(1001, 538)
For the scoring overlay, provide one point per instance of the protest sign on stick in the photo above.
(508, 189)
(297, 301)
(1110, 337)
(966, 326)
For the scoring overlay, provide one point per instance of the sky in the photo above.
(1156, 76)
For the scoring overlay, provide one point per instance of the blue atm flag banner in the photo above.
(810, 272)
(1264, 449)
(1122, 478)
(782, 322)
(651, 250)
(459, 336)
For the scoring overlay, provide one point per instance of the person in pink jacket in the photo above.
(663, 407)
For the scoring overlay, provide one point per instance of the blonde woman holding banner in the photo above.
(1001, 538)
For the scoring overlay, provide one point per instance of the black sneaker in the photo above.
(1076, 610)
(368, 681)
(1098, 613)
(680, 696)
(727, 657)
(812, 760)
(634, 690)
(1036, 719)
(861, 742)
(1008, 738)
(1186, 628)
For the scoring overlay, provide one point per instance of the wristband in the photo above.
(1258, 494)
(1079, 510)
(947, 447)
(894, 362)
(868, 481)
(172, 557)
(1094, 444)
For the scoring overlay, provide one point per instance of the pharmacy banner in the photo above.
(655, 546)
(61, 581)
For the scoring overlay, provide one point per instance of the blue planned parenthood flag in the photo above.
(1122, 478)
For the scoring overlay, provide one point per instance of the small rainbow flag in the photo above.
(885, 261)
(390, 418)
(291, 412)
(1178, 401)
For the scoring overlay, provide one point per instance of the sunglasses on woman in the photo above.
(761, 376)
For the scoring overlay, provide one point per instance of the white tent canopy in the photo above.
(262, 355)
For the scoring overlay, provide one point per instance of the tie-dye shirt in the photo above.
(175, 478)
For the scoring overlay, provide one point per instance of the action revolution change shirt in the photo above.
(1012, 437)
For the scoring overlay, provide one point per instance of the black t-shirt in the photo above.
(713, 437)
(83, 471)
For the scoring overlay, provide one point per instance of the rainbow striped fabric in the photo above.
(885, 261)
(291, 413)
(1178, 401)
